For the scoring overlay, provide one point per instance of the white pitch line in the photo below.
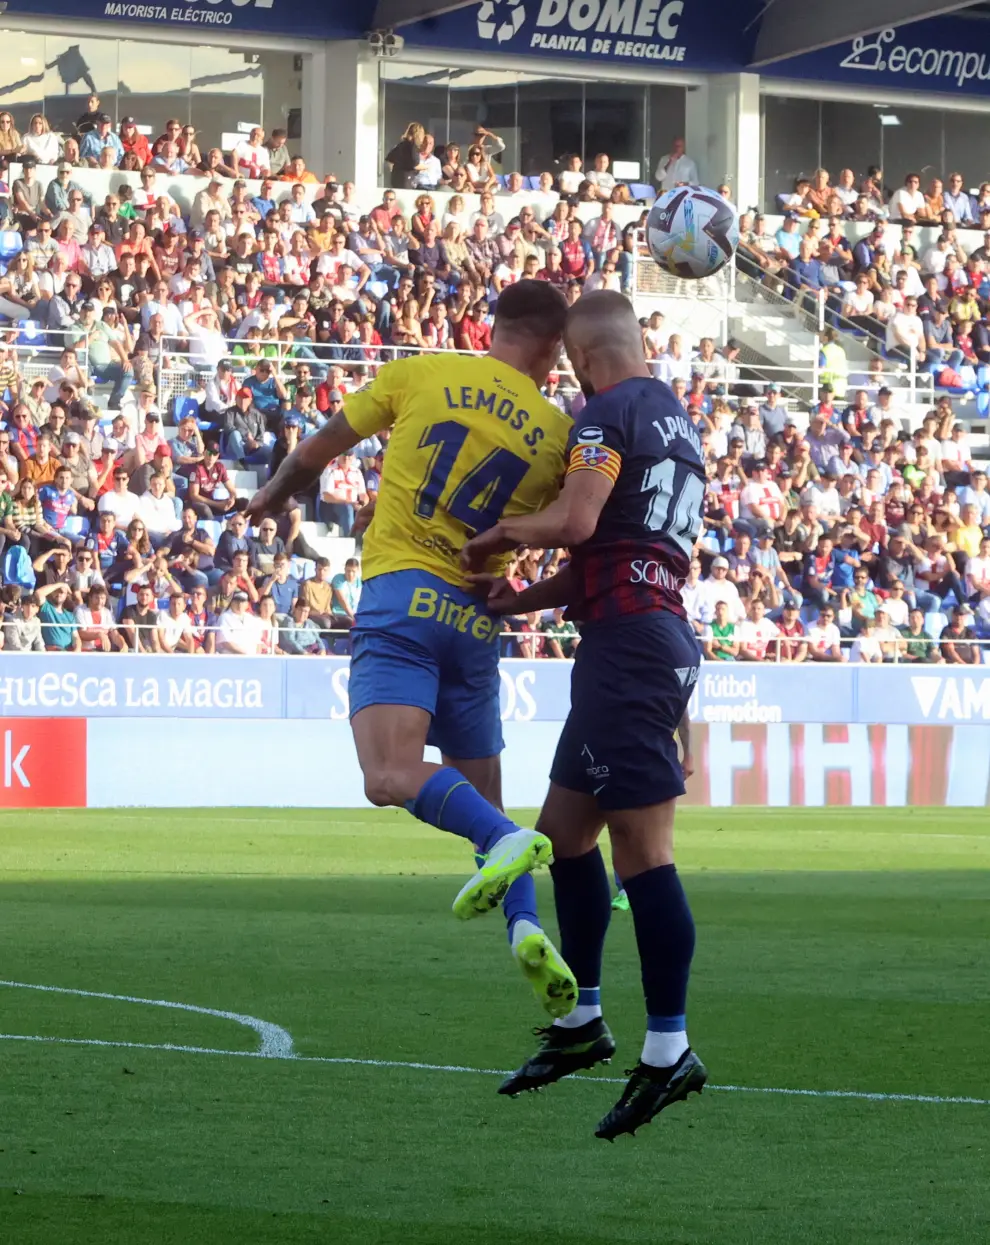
(276, 1043)
(859, 1095)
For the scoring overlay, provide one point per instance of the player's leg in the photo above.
(539, 960)
(467, 724)
(572, 820)
(643, 849)
(639, 801)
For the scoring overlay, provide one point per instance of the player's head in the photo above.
(529, 327)
(603, 340)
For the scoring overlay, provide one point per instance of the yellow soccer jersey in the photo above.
(472, 440)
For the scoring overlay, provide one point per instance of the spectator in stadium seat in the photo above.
(791, 642)
(718, 587)
(264, 549)
(866, 647)
(346, 589)
(22, 629)
(824, 641)
(917, 647)
(240, 631)
(298, 634)
(211, 490)
(279, 584)
(175, 628)
(756, 633)
(250, 157)
(719, 642)
(57, 619)
(234, 539)
(244, 425)
(203, 638)
(978, 573)
(957, 640)
(139, 622)
(341, 492)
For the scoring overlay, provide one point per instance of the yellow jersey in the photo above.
(472, 440)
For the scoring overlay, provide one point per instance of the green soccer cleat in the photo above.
(514, 854)
(562, 1052)
(648, 1091)
(621, 902)
(544, 968)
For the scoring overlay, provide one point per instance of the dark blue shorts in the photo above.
(631, 684)
(420, 641)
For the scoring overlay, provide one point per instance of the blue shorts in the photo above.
(420, 641)
(630, 686)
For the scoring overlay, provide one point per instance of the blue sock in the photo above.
(520, 903)
(665, 937)
(448, 801)
(584, 907)
(618, 880)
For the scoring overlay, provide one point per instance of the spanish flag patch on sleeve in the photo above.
(595, 458)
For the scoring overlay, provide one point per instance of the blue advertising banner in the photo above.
(673, 34)
(946, 54)
(97, 685)
(940, 695)
(315, 689)
(744, 693)
(276, 17)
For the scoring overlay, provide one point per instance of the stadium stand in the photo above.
(170, 330)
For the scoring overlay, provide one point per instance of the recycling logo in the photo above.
(500, 19)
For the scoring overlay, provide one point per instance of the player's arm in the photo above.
(569, 520)
(365, 413)
(545, 594)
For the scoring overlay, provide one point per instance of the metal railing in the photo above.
(120, 640)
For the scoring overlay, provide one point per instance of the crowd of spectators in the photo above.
(847, 538)
(278, 303)
(924, 295)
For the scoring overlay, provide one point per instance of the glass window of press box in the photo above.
(800, 135)
(213, 89)
(541, 119)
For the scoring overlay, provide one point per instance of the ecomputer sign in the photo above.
(950, 55)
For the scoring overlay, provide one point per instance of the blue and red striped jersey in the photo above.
(638, 435)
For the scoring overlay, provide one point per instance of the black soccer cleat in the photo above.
(561, 1052)
(650, 1090)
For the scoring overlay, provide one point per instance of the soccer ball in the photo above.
(692, 232)
(500, 19)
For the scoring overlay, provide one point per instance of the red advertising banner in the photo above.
(854, 765)
(42, 763)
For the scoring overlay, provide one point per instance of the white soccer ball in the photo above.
(500, 19)
(692, 232)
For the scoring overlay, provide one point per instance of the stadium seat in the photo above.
(302, 568)
(532, 183)
(183, 406)
(213, 526)
(935, 623)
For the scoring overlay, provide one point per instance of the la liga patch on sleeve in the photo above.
(595, 458)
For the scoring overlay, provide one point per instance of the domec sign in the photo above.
(676, 33)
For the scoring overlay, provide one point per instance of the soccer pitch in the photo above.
(837, 951)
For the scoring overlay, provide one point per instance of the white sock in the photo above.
(522, 929)
(580, 1016)
(662, 1050)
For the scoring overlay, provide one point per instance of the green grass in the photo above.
(836, 950)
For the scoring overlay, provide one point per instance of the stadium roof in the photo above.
(786, 27)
